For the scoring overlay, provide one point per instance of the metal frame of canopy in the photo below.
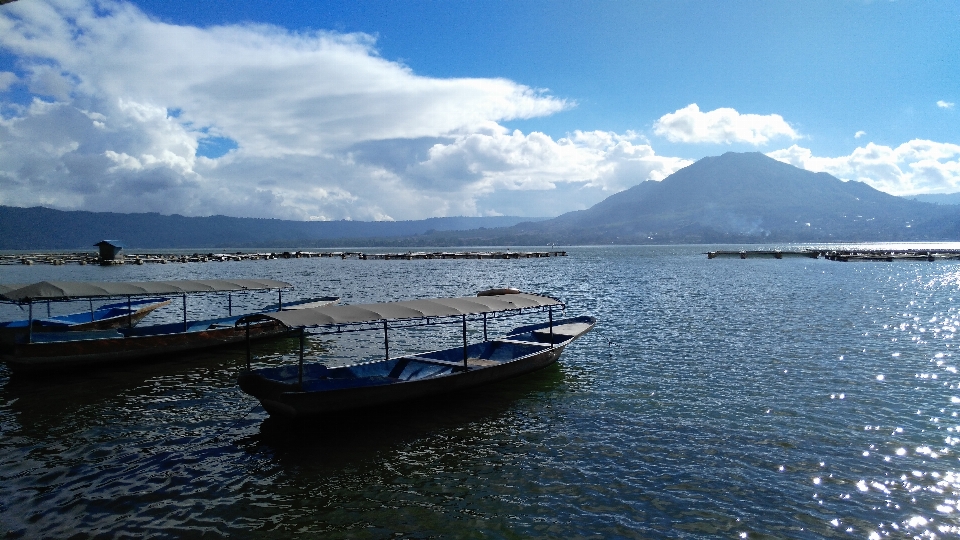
(410, 322)
(67, 291)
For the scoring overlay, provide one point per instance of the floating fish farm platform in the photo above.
(168, 258)
(852, 255)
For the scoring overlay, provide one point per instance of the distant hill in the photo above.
(737, 197)
(45, 228)
(937, 198)
(733, 198)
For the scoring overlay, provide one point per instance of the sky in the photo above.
(372, 110)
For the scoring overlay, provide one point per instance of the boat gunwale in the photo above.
(457, 367)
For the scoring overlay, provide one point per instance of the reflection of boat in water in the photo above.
(470, 413)
(312, 390)
(44, 351)
(102, 318)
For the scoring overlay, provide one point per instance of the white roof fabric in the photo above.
(410, 309)
(63, 290)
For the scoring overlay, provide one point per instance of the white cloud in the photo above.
(721, 126)
(325, 128)
(273, 91)
(7, 79)
(859, 134)
(945, 104)
(914, 167)
(585, 166)
(124, 101)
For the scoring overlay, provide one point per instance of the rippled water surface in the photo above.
(733, 398)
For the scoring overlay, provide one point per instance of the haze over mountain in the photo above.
(742, 197)
(735, 197)
(937, 198)
(45, 228)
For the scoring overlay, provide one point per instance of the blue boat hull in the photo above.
(53, 352)
(103, 318)
(373, 384)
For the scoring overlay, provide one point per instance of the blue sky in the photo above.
(406, 110)
(835, 67)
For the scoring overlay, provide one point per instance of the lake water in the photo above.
(716, 398)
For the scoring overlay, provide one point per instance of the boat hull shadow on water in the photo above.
(312, 390)
(51, 351)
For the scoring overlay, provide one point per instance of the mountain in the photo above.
(733, 198)
(937, 198)
(736, 197)
(45, 228)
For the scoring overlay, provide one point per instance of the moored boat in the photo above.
(102, 318)
(312, 390)
(45, 352)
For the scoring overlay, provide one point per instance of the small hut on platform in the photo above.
(110, 251)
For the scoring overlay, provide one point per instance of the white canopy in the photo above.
(64, 290)
(410, 309)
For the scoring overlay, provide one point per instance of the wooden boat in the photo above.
(102, 318)
(305, 391)
(48, 351)
(305, 303)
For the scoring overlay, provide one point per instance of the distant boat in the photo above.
(46, 352)
(312, 390)
(101, 318)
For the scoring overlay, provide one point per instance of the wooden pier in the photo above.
(844, 255)
(176, 258)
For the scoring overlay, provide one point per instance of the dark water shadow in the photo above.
(40, 403)
(358, 436)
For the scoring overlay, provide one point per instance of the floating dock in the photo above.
(171, 258)
(846, 255)
(774, 254)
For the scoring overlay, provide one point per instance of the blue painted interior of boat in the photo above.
(317, 377)
(104, 312)
(177, 327)
(491, 350)
(539, 333)
(50, 337)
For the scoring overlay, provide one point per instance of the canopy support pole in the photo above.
(386, 341)
(48, 309)
(30, 324)
(303, 334)
(129, 313)
(91, 310)
(464, 320)
(551, 326)
(279, 299)
(248, 344)
(229, 304)
(485, 327)
(184, 312)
